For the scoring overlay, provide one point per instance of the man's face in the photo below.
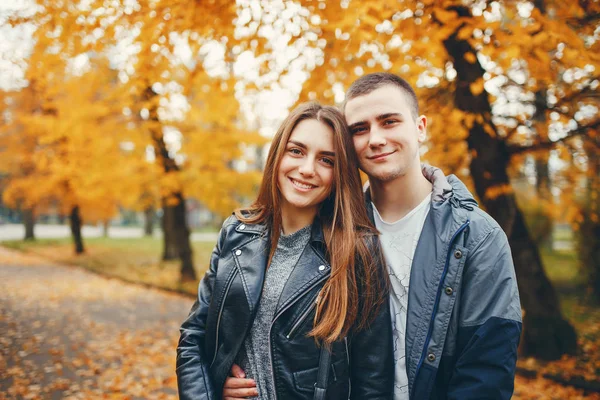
(386, 135)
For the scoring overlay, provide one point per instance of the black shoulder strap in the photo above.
(323, 374)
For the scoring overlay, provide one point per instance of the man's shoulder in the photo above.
(483, 228)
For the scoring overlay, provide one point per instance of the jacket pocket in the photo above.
(306, 380)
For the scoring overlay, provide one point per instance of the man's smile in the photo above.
(380, 157)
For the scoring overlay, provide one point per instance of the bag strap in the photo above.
(323, 373)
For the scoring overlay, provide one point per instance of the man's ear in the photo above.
(422, 128)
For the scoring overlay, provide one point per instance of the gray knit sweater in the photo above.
(253, 357)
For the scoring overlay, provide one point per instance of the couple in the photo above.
(313, 295)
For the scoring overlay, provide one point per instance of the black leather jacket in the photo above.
(361, 365)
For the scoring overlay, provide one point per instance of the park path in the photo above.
(49, 231)
(68, 333)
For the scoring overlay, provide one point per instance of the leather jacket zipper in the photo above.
(277, 316)
(303, 317)
(219, 316)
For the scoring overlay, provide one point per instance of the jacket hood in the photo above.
(447, 187)
(451, 202)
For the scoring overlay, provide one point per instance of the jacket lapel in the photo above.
(310, 269)
(251, 260)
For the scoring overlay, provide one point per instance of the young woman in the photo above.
(296, 293)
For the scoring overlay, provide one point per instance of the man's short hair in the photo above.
(370, 82)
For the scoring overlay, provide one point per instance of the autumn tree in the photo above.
(160, 30)
(460, 56)
(148, 55)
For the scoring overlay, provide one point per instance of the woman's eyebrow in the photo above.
(299, 144)
(303, 146)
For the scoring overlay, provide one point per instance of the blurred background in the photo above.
(130, 129)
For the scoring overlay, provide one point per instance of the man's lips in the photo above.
(380, 156)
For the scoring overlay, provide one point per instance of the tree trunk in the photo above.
(170, 248)
(149, 221)
(176, 236)
(76, 230)
(105, 226)
(29, 222)
(542, 171)
(546, 333)
(588, 234)
(540, 223)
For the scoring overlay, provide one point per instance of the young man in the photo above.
(454, 298)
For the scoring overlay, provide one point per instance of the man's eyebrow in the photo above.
(356, 124)
(378, 118)
(388, 115)
(303, 146)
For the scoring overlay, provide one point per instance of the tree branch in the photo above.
(579, 131)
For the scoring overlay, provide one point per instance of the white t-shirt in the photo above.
(399, 241)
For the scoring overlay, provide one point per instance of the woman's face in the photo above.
(305, 175)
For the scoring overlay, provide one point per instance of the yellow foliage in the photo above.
(471, 58)
(495, 191)
(476, 87)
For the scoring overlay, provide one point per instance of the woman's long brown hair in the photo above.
(358, 282)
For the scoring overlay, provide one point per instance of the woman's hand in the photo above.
(237, 386)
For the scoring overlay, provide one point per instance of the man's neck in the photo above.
(396, 198)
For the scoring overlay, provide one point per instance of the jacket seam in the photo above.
(482, 322)
(478, 241)
(204, 372)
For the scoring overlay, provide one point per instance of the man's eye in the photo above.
(359, 130)
(390, 121)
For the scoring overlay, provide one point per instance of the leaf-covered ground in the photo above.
(68, 333)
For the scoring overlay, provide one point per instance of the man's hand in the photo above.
(237, 387)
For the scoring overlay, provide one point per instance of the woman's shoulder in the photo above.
(243, 221)
(231, 220)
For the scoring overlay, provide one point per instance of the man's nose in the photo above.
(377, 138)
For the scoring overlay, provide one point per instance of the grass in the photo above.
(138, 260)
(133, 260)
(562, 267)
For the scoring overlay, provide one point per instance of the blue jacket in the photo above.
(464, 314)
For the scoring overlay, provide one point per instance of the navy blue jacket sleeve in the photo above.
(490, 324)
(193, 379)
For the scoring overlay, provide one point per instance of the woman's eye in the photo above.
(327, 161)
(295, 151)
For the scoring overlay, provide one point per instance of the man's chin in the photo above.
(385, 176)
